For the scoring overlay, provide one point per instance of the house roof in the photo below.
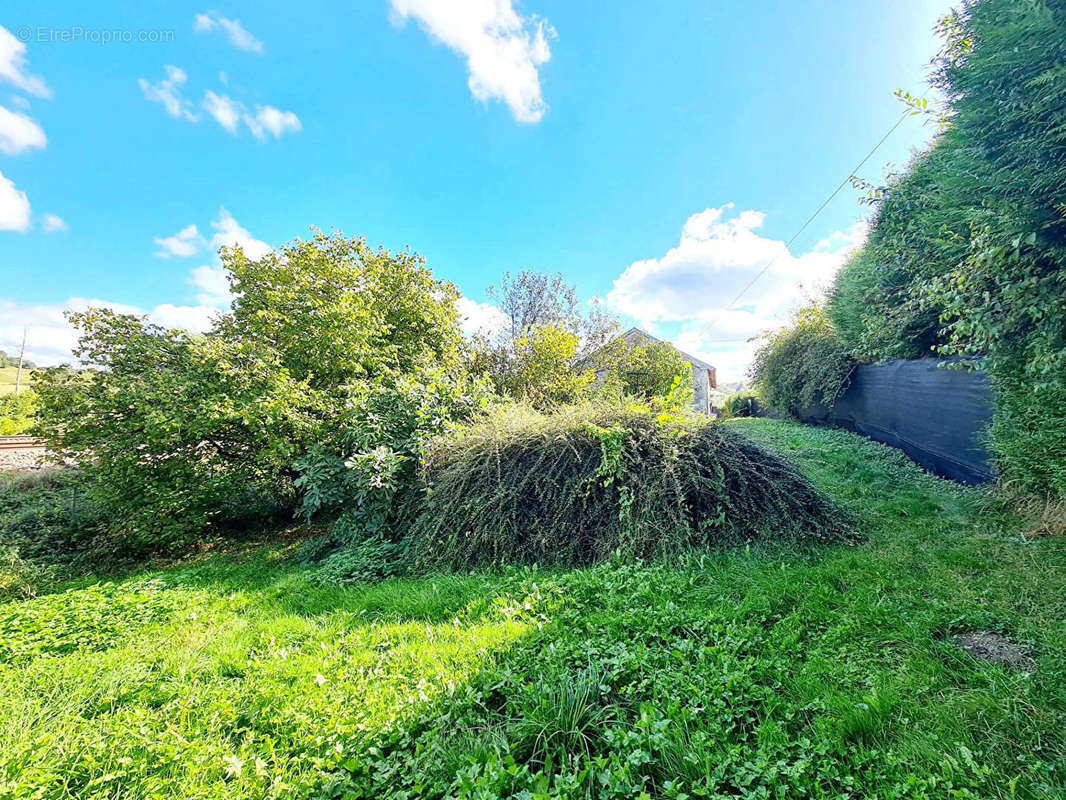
(640, 332)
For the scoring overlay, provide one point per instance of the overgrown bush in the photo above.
(308, 372)
(542, 371)
(363, 556)
(577, 485)
(739, 404)
(368, 460)
(635, 367)
(174, 428)
(19, 578)
(49, 527)
(967, 251)
(802, 365)
(17, 412)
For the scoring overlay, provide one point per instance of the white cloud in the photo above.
(169, 92)
(50, 339)
(212, 286)
(210, 280)
(14, 207)
(718, 255)
(503, 50)
(226, 112)
(53, 223)
(18, 132)
(186, 242)
(13, 66)
(480, 318)
(230, 114)
(230, 233)
(268, 119)
(239, 37)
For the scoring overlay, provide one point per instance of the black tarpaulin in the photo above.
(937, 415)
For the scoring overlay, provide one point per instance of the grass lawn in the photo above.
(7, 379)
(767, 672)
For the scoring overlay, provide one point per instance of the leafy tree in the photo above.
(802, 365)
(645, 370)
(544, 372)
(531, 298)
(337, 311)
(545, 321)
(176, 429)
(326, 345)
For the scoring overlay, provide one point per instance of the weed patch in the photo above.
(575, 487)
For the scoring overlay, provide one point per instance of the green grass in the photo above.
(7, 379)
(769, 672)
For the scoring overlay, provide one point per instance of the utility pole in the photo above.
(22, 355)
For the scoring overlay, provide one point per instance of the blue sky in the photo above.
(656, 154)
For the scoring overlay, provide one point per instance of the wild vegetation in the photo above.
(317, 395)
(967, 250)
(16, 410)
(331, 548)
(553, 350)
(740, 404)
(779, 669)
(332, 353)
(577, 485)
(803, 365)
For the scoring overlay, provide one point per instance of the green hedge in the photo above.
(967, 251)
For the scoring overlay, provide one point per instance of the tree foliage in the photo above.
(967, 254)
(17, 412)
(548, 331)
(802, 365)
(329, 350)
(545, 373)
(643, 369)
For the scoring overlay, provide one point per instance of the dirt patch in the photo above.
(996, 649)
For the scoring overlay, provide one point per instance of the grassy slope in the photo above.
(760, 673)
(7, 379)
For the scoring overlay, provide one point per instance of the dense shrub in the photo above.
(642, 369)
(174, 428)
(367, 461)
(17, 412)
(740, 404)
(313, 365)
(363, 557)
(967, 252)
(577, 485)
(542, 371)
(802, 365)
(50, 528)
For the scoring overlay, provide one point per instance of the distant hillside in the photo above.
(7, 379)
(732, 388)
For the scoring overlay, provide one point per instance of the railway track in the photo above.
(20, 443)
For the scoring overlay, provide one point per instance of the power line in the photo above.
(827, 201)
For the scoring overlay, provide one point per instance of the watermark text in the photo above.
(46, 34)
